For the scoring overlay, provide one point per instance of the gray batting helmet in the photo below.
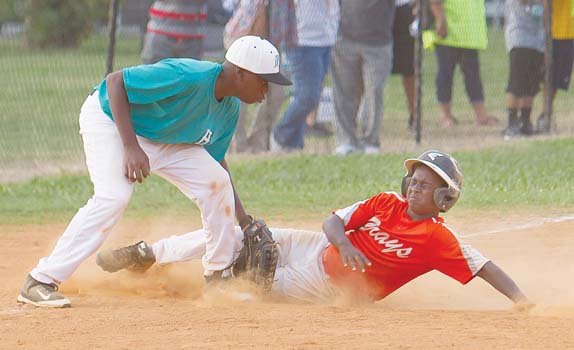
(444, 166)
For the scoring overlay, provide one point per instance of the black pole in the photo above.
(418, 69)
(545, 125)
(112, 27)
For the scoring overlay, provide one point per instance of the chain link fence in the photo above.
(43, 88)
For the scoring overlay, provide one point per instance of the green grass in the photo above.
(526, 175)
(42, 92)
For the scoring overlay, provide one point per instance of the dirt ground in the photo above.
(164, 309)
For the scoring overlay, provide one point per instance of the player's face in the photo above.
(421, 191)
(253, 87)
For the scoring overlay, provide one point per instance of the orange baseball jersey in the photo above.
(399, 248)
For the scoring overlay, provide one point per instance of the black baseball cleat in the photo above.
(137, 257)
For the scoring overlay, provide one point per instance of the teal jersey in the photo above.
(173, 101)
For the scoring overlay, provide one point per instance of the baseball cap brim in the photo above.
(410, 164)
(276, 78)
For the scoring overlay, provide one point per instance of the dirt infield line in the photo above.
(538, 222)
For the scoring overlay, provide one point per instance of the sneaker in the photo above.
(319, 130)
(511, 131)
(345, 149)
(542, 125)
(218, 277)
(276, 147)
(371, 149)
(526, 128)
(41, 294)
(137, 257)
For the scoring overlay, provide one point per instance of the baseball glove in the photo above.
(258, 258)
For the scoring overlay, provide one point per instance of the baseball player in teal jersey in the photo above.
(174, 118)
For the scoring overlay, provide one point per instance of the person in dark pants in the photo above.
(524, 34)
(461, 28)
(362, 60)
(562, 54)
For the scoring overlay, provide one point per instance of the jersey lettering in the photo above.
(382, 238)
(205, 139)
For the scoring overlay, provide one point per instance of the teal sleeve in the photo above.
(218, 149)
(150, 83)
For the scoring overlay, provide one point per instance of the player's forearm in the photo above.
(334, 229)
(242, 218)
(497, 278)
(121, 108)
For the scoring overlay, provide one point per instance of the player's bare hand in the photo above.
(353, 258)
(136, 166)
(441, 28)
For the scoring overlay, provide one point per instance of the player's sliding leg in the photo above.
(141, 256)
(300, 274)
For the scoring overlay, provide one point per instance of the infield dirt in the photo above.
(164, 309)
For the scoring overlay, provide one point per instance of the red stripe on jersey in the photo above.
(177, 36)
(177, 15)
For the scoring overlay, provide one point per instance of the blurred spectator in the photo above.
(275, 21)
(362, 62)
(176, 28)
(317, 24)
(219, 11)
(404, 53)
(461, 30)
(562, 53)
(524, 34)
(316, 128)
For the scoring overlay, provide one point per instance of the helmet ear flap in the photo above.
(405, 184)
(445, 198)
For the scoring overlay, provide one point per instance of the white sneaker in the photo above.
(276, 147)
(345, 149)
(371, 149)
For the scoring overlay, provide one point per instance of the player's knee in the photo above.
(114, 201)
(220, 182)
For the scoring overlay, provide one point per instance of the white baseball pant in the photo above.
(299, 275)
(189, 167)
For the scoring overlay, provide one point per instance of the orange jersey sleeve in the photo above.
(359, 213)
(449, 255)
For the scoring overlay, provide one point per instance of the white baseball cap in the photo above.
(258, 56)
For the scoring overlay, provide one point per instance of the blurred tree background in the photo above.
(55, 23)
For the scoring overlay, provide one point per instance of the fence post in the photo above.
(546, 124)
(418, 68)
(112, 28)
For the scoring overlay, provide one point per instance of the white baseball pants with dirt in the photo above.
(189, 167)
(300, 274)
